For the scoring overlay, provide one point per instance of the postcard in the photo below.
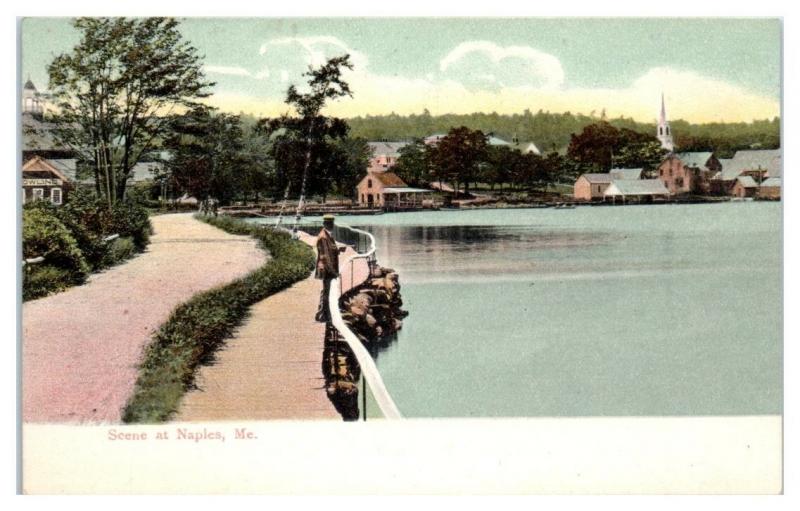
(401, 256)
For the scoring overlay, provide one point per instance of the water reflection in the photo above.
(617, 311)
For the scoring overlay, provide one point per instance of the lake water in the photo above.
(635, 310)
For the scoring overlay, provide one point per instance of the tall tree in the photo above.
(302, 143)
(208, 156)
(456, 157)
(113, 92)
(601, 146)
(349, 162)
(413, 165)
(500, 165)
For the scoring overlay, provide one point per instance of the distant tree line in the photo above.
(553, 131)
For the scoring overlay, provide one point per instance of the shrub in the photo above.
(42, 279)
(130, 220)
(83, 215)
(72, 237)
(44, 235)
(90, 220)
(119, 250)
(197, 328)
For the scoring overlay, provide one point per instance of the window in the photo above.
(369, 183)
(38, 193)
(55, 196)
(670, 172)
(667, 130)
(679, 182)
(661, 172)
(660, 130)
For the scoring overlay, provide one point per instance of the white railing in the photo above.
(369, 371)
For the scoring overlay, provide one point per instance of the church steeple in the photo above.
(663, 131)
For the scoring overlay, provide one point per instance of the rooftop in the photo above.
(695, 159)
(623, 187)
(747, 181)
(598, 178)
(768, 160)
(380, 148)
(626, 173)
(388, 179)
(406, 190)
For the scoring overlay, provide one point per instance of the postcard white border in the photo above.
(319, 8)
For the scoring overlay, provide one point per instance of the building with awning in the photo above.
(406, 197)
(387, 190)
(639, 190)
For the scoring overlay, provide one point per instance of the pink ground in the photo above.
(81, 347)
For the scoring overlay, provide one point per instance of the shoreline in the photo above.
(566, 204)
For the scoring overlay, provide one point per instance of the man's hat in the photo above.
(327, 217)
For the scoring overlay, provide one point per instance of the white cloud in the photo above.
(317, 49)
(227, 70)
(481, 76)
(510, 66)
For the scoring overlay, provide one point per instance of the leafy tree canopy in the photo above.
(113, 92)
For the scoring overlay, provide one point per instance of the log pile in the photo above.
(373, 312)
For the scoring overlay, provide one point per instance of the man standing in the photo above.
(327, 265)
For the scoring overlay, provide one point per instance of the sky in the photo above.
(709, 69)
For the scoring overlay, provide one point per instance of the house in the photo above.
(759, 164)
(145, 171)
(384, 155)
(770, 189)
(434, 139)
(490, 140)
(41, 180)
(745, 186)
(526, 148)
(530, 148)
(496, 141)
(639, 190)
(626, 173)
(590, 187)
(684, 173)
(386, 189)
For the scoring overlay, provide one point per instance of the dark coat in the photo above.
(327, 256)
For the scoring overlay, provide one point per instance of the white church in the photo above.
(664, 132)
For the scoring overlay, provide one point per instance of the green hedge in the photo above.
(197, 328)
(44, 235)
(71, 239)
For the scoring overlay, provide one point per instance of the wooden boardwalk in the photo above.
(272, 367)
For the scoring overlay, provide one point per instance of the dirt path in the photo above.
(81, 347)
(272, 367)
